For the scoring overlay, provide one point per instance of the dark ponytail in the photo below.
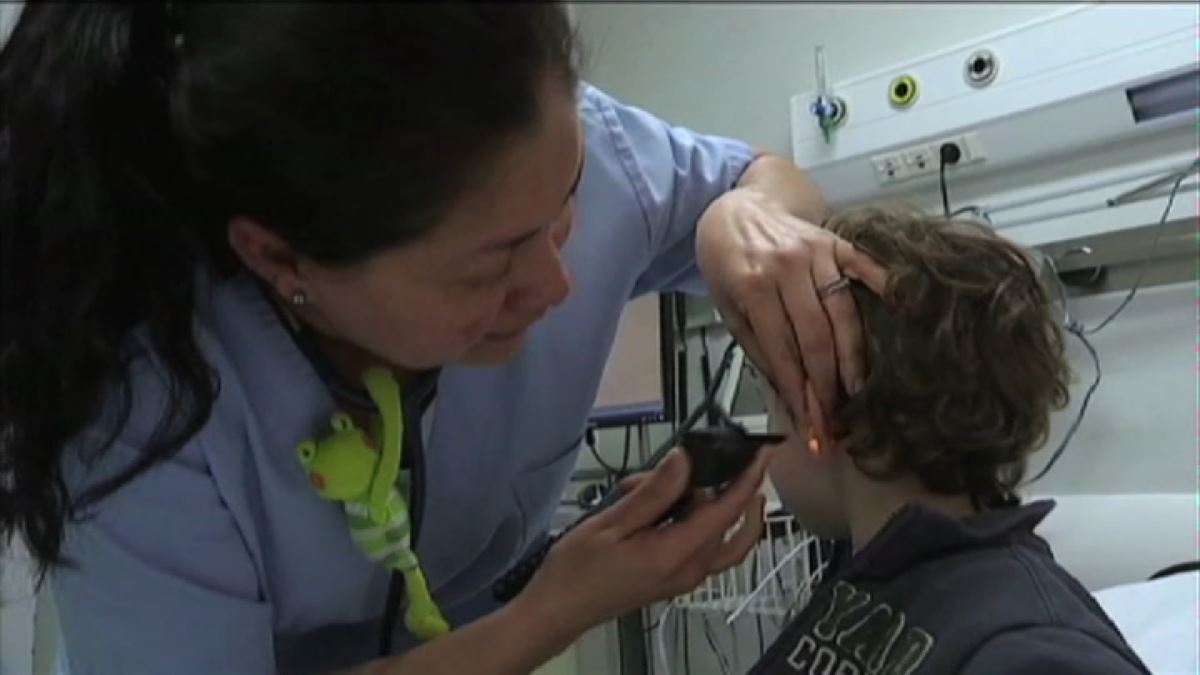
(130, 134)
(89, 248)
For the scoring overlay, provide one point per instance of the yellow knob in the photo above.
(903, 91)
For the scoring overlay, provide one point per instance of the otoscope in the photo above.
(718, 455)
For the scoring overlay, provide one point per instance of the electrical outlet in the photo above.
(967, 147)
(924, 159)
(920, 160)
(889, 168)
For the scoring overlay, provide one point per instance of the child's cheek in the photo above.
(785, 470)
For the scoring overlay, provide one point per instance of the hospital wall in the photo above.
(731, 68)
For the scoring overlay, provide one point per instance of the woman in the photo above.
(216, 217)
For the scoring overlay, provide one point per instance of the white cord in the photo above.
(763, 584)
(806, 588)
(660, 639)
(733, 379)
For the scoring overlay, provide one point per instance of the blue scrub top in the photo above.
(223, 560)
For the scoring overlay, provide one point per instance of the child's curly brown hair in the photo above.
(966, 358)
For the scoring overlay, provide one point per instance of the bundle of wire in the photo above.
(1072, 326)
(1082, 332)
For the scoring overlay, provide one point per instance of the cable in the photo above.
(681, 619)
(945, 191)
(758, 624)
(736, 648)
(722, 662)
(679, 313)
(762, 638)
(1081, 332)
(661, 640)
(653, 626)
(1162, 221)
(710, 396)
(816, 579)
(974, 211)
(625, 454)
(1087, 398)
(613, 472)
(1179, 568)
(687, 643)
(798, 548)
(774, 555)
(590, 438)
(706, 372)
(948, 154)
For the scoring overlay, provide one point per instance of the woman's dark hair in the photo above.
(130, 134)
(966, 356)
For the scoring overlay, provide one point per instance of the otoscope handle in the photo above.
(718, 455)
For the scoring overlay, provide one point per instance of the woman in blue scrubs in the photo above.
(215, 217)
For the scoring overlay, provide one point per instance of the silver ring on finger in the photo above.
(836, 286)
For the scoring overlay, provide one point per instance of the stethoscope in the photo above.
(724, 451)
(418, 396)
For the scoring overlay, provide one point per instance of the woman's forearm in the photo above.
(514, 640)
(781, 182)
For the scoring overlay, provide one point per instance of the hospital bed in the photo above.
(1159, 620)
(1114, 544)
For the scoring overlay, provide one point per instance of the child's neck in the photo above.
(870, 504)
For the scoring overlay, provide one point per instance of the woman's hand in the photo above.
(618, 560)
(621, 559)
(775, 278)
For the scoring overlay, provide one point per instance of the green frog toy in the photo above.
(345, 467)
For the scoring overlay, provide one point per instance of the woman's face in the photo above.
(469, 290)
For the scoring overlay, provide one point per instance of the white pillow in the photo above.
(1107, 540)
(1158, 619)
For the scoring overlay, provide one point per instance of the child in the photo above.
(918, 471)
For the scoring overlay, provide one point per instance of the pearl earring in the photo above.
(299, 298)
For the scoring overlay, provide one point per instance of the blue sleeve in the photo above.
(160, 580)
(1049, 650)
(676, 174)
